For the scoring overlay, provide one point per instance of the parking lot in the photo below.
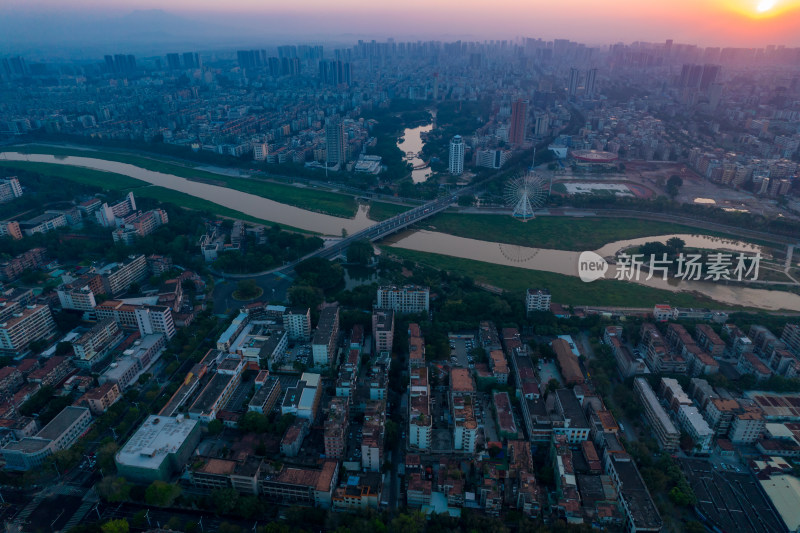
(460, 347)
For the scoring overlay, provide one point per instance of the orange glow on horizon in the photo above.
(763, 9)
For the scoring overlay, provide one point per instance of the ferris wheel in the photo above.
(524, 194)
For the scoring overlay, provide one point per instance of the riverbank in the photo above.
(111, 182)
(566, 290)
(556, 233)
(330, 203)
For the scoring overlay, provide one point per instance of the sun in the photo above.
(765, 5)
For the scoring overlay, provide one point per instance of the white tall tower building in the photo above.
(456, 165)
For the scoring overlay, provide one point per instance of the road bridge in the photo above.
(372, 234)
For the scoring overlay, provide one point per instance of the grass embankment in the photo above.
(564, 289)
(558, 233)
(330, 203)
(380, 211)
(109, 181)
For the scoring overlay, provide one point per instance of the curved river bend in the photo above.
(247, 203)
(558, 261)
(566, 262)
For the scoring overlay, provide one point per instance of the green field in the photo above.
(110, 181)
(565, 289)
(380, 211)
(340, 205)
(557, 233)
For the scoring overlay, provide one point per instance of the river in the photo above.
(247, 203)
(412, 146)
(558, 261)
(566, 262)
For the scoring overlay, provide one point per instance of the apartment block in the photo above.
(665, 431)
(24, 326)
(152, 319)
(420, 422)
(383, 330)
(297, 323)
(406, 299)
(326, 336)
(537, 300)
(118, 277)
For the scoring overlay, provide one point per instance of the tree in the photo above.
(225, 500)
(673, 184)
(305, 296)
(116, 526)
(105, 456)
(63, 348)
(247, 289)
(553, 385)
(679, 497)
(114, 489)
(466, 200)
(215, 427)
(161, 493)
(360, 252)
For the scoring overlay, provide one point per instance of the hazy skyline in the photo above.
(84, 25)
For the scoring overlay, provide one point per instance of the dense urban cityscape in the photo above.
(522, 285)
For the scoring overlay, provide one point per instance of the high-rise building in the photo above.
(574, 77)
(173, 61)
(591, 81)
(191, 60)
(709, 76)
(541, 125)
(456, 166)
(519, 115)
(335, 145)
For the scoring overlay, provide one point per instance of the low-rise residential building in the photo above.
(697, 428)
(293, 438)
(326, 336)
(747, 425)
(420, 422)
(383, 330)
(94, 346)
(99, 399)
(297, 323)
(641, 514)
(303, 399)
(23, 325)
(300, 485)
(465, 426)
(405, 299)
(575, 427)
(118, 277)
(59, 434)
(665, 431)
(537, 300)
(336, 427)
(266, 396)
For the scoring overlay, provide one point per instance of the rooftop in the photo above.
(157, 437)
(62, 422)
(211, 393)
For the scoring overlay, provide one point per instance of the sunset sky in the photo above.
(703, 22)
